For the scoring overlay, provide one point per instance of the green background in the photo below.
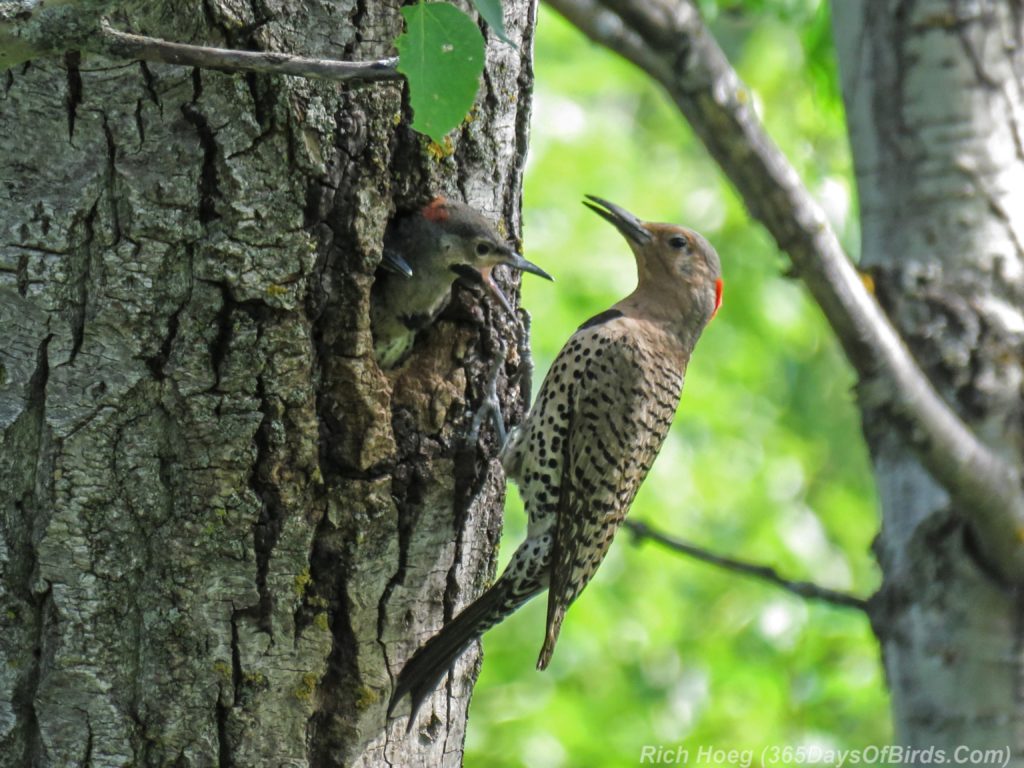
(765, 462)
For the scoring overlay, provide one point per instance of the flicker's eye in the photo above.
(679, 242)
(482, 249)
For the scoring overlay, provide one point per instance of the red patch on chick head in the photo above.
(436, 209)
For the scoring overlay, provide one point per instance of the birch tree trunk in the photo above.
(935, 104)
(222, 527)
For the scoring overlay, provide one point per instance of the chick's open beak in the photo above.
(629, 225)
(486, 274)
(516, 261)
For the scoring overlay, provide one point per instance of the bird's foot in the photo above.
(491, 405)
(524, 375)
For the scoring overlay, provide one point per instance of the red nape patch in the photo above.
(718, 296)
(436, 209)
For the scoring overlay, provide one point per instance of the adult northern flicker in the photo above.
(586, 445)
(426, 252)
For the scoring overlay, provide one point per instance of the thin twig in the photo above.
(803, 589)
(125, 45)
(669, 41)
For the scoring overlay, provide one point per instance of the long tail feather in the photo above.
(421, 674)
(556, 613)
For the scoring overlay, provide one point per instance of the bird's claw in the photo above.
(491, 404)
(525, 373)
(524, 378)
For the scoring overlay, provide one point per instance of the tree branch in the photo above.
(668, 40)
(124, 45)
(805, 589)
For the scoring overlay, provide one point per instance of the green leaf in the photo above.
(491, 11)
(441, 54)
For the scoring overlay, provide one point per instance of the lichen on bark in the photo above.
(222, 527)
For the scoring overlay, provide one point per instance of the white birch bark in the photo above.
(934, 91)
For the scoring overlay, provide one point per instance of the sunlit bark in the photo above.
(934, 104)
(222, 528)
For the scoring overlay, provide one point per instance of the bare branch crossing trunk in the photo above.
(222, 527)
(935, 108)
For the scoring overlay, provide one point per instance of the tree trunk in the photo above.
(935, 103)
(222, 527)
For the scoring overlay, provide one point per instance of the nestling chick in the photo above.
(427, 252)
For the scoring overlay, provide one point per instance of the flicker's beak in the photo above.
(392, 262)
(487, 276)
(514, 260)
(482, 275)
(629, 225)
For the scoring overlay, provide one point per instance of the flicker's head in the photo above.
(673, 263)
(471, 247)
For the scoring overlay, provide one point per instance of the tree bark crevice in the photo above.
(223, 526)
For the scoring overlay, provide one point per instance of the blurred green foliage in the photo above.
(765, 461)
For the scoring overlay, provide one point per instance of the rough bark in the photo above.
(935, 103)
(222, 527)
